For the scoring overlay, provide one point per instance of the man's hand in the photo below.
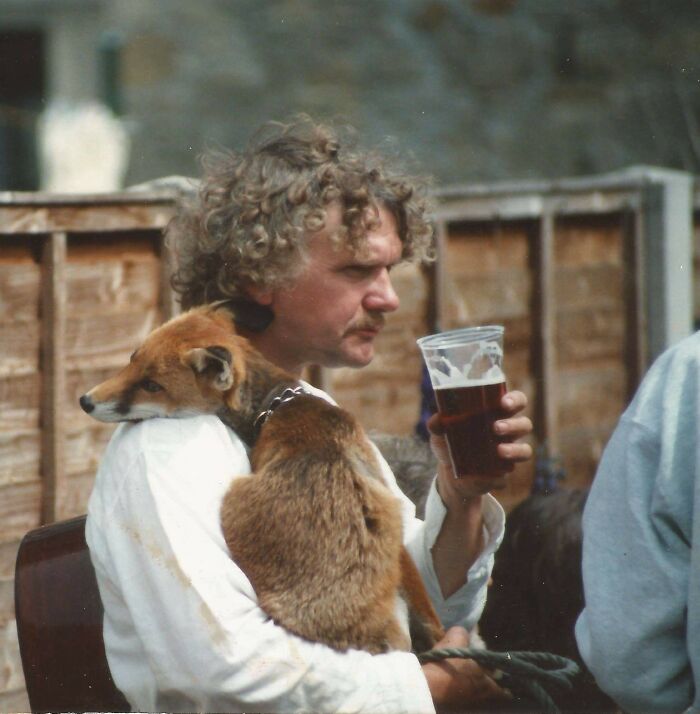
(460, 684)
(509, 429)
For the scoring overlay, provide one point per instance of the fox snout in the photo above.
(86, 404)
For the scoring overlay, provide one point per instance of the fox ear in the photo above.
(214, 362)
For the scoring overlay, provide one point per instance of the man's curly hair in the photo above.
(255, 210)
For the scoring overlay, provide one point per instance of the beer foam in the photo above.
(483, 368)
(445, 382)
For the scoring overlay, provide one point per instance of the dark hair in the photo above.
(254, 211)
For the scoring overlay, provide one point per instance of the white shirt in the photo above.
(182, 627)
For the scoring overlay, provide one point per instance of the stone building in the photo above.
(474, 90)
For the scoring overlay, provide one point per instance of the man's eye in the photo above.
(150, 386)
(358, 271)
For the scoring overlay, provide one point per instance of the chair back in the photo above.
(59, 623)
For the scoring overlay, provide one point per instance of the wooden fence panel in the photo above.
(81, 283)
(591, 312)
(560, 286)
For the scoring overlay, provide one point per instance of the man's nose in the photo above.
(382, 295)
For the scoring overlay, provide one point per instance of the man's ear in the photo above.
(214, 362)
(262, 296)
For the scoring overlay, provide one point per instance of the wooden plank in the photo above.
(8, 558)
(7, 612)
(99, 341)
(584, 335)
(79, 218)
(637, 300)
(154, 192)
(85, 444)
(438, 285)
(20, 508)
(109, 287)
(11, 674)
(19, 348)
(14, 701)
(546, 336)
(75, 496)
(19, 290)
(517, 205)
(53, 330)
(590, 286)
(20, 460)
(591, 394)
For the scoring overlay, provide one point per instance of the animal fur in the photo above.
(314, 527)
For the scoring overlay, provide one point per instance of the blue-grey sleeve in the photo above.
(639, 630)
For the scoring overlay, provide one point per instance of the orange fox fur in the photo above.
(313, 527)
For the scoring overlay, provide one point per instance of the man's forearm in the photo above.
(460, 541)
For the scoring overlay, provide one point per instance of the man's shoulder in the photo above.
(674, 367)
(171, 435)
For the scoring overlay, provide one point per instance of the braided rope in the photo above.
(528, 675)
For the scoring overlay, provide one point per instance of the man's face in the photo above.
(335, 309)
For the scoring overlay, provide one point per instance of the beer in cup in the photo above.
(466, 371)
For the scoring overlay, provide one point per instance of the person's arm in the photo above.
(182, 624)
(639, 632)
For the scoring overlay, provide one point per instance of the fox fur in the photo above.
(314, 527)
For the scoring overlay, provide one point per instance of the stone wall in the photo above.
(475, 90)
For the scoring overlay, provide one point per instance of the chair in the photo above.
(59, 623)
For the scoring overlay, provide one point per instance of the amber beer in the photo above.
(467, 413)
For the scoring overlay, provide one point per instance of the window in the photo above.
(22, 92)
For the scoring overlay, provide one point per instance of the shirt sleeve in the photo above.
(639, 632)
(165, 573)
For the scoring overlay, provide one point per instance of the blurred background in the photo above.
(475, 90)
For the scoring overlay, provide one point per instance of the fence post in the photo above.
(53, 377)
(547, 338)
(667, 242)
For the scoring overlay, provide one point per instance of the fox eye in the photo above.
(150, 386)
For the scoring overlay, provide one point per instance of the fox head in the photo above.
(191, 365)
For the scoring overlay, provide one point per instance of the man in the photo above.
(305, 232)
(640, 630)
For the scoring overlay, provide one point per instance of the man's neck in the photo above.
(268, 346)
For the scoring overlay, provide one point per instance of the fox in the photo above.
(314, 526)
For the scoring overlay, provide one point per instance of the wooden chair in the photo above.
(59, 623)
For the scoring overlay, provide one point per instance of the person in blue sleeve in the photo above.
(640, 630)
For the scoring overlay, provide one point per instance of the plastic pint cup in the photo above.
(466, 371)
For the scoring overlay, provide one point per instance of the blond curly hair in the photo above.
(255, 210)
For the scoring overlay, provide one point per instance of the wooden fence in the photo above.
(81, 281)
(583, 274)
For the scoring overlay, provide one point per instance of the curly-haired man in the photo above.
(303, 230)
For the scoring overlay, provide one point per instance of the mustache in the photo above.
(370, 323)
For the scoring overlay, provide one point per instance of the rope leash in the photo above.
(528, 675)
